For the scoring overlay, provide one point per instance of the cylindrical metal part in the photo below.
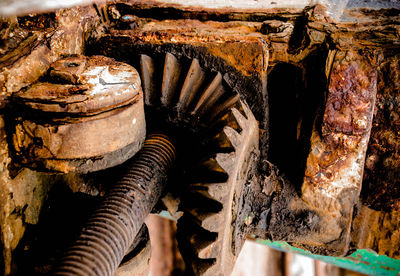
(87, 116)
(112, 228)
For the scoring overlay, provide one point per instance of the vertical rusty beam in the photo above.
(335, 164)
(165, 256)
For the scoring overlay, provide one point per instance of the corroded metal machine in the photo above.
(283, 118)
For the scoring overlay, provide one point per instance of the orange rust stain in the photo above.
(337, 153)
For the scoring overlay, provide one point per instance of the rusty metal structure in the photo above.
(285, 119)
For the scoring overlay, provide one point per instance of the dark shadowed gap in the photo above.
(296, 95)
(285, 87)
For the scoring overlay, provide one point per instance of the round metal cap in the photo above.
(83, 85)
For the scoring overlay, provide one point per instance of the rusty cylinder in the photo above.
(110, 231)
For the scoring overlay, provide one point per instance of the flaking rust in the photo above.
(335, 164)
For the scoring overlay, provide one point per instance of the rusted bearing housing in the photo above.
(88, 117)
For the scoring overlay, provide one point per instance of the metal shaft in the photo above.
(112, 228)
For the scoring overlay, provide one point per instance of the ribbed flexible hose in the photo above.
(112, 228)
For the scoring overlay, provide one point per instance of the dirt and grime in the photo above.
(330, 116)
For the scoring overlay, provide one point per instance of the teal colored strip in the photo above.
(363, 260)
